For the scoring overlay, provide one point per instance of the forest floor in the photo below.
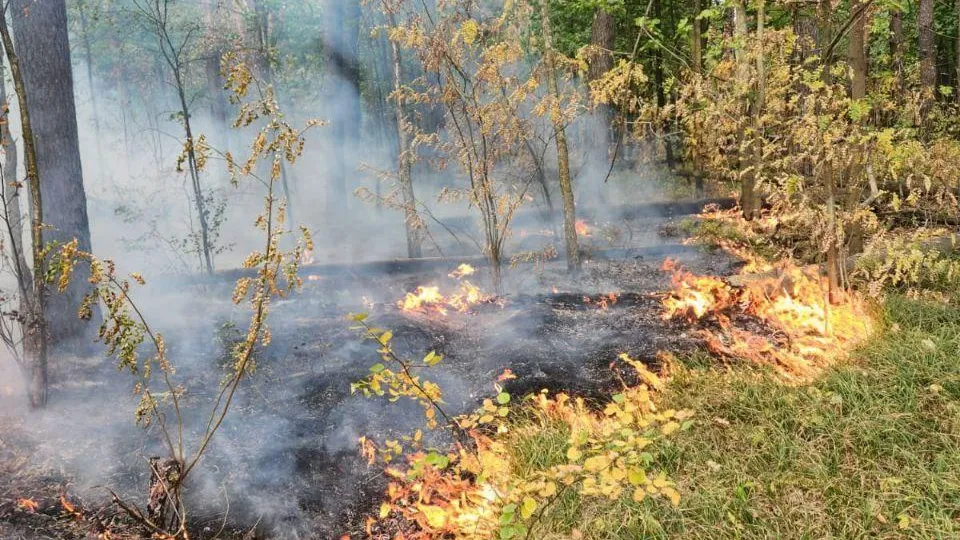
(871, 447)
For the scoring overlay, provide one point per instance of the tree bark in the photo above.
(40, 33)
(927, 51)
(404, 157)
(35, 325)
(748, 202)
(603, 39)
(214, 81)
(858, 53)
(563, 156)
(696, 39)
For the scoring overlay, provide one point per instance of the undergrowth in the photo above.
(871, 449)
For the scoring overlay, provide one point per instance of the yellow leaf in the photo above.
(904, 522)
(596, 463)
(436, 516)
(670, 427)
(384, 510)
(672, 495)
(528, 507)
(639, 494)
(549, 490)
(574, 454)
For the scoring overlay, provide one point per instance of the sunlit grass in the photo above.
(871, 449)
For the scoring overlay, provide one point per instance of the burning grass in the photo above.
(427, 299)
(808, 334)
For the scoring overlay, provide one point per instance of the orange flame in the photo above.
(429, 299)
(583, 229)
(811, 334)
(28, 505)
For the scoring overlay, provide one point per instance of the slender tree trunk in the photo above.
(35, 328)
(858, 90)
(825, 31)
(858, 53)
(658, 84)
(43, 51)
(404, 156)
(563, 157)
(696, 39)
(896, 44)
(956, 93)
(927, 51)
(747, 178)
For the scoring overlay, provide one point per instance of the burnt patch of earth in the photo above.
(286, 463)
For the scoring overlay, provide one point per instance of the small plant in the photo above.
(125, 329)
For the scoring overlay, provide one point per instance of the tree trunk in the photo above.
(563, 157)
(927, 51)
(658, 83)
(35, 325)
(858, 52)
(896, 43)
(956, 93)
(603, 39)
(748, 178)
(40, 33)
(341, 38)
(696, 39)
(404, 156)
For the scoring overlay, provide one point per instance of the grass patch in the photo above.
(872, 449)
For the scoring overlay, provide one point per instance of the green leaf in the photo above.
(377, 368)
(619, 398)
(503, 398)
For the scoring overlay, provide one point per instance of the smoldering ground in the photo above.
(286, 460)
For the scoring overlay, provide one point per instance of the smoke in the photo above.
(286, 456)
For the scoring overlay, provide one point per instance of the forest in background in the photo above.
(141, 137)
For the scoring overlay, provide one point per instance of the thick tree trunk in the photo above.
(404, 156)
(603, 38)
(40, 33)
(927, 51)
(563, 155)
(341, 38)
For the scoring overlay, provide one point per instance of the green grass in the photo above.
(871, 449)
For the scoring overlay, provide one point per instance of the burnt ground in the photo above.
(286, 464)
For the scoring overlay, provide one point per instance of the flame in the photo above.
(809, 333)
(462, 271)
(427, 299)
(28, 505)
(694, 296)
(583, 229)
